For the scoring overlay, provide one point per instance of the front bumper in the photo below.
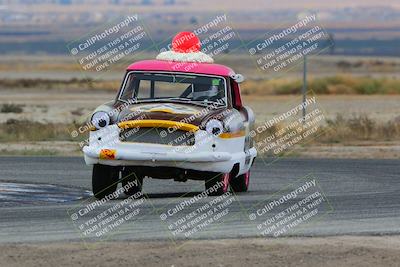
(125, 153)
(209, 153)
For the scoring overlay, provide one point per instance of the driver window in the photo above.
(211, 91)
(143, 90)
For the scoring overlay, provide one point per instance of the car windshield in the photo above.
(196, 89)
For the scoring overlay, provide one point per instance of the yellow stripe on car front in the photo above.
(232, 135)
(172, 124)
(158, 124)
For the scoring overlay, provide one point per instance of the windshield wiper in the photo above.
(202, 103)
(178, 98)
(186, 100)
(181, 99)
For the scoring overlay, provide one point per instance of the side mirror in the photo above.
(238, 78)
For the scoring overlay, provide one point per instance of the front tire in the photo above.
(129, 175)
(219, 183)
(104, 180)
(241, 183)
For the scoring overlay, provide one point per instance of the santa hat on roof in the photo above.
(186, 47)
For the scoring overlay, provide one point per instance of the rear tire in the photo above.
(129, 175)
(241, 183)
(104, 180)
(220, 183)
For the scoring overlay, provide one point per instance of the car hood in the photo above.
(180, 112)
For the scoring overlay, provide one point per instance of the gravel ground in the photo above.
(329, 251)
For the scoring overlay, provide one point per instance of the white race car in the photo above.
(177, 117)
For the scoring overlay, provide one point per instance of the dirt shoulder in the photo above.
(360, 150)
(329, 251)
(60, 111)
(356, 150)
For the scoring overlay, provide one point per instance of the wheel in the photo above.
(219, 182)
(104, 180)
(241, 183)
(131, 181)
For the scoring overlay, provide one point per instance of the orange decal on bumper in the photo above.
(107, 154)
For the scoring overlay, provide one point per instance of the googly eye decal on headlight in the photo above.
(100, 119)
(214, 127)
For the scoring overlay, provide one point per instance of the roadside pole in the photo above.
(304, 89)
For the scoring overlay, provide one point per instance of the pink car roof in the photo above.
(189, 67)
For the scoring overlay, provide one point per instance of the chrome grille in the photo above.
(154, 136)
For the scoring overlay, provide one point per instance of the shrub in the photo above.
(11, 108)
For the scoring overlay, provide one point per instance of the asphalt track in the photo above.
(38, 196)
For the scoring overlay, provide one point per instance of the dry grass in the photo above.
(21, 130)
(359, 128)
(340, 84)
(338, 130)
(332, 85)
(71, 84)
(346, 131)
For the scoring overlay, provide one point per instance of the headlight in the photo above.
(214, 127)
(100, 119)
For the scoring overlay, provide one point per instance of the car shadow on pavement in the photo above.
(175, 194)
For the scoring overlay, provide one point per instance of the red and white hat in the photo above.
(186, 47)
